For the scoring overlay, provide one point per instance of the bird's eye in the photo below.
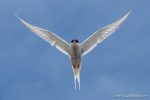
(77, 41)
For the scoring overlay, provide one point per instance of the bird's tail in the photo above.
(77, 78)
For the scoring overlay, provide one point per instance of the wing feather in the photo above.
(96, 38)
(49, 37)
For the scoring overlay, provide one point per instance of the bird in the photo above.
(75, 50)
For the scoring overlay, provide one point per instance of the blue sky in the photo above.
(29, 67)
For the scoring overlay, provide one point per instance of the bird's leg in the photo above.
(76, 65)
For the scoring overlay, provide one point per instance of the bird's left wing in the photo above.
(49, 37)
(91, 42)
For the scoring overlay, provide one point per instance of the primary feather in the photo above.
(90, 43)
(49, 37)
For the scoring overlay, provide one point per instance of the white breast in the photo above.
(75, 50)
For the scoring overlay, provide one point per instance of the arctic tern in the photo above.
(74, 50)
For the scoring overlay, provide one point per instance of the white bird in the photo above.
(75, 51)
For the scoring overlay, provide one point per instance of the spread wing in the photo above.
(96, 38)
(49, 37)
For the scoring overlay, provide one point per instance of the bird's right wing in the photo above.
(49, 37)
(91, 42)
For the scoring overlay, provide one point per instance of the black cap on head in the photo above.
(74, 41)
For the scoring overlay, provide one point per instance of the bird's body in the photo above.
(75, 51)
(75, 54)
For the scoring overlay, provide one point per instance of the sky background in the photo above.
(31, 69)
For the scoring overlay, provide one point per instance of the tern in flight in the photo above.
(74, 50)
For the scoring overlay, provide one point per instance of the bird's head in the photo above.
(74, 41)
